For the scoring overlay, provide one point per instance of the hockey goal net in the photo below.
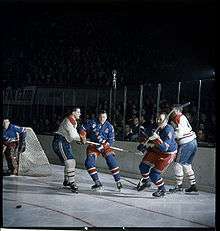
(33, 162)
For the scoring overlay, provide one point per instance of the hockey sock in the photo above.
(91, 168)
(156, 178)
(190, 173)
(145, 170)
(70, 168)
(178, 169)
(113, 166)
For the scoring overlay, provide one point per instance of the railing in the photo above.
(43, 108)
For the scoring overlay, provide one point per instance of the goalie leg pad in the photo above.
(70, 168)
(113, 166)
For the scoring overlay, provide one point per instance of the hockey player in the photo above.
(66, 133)
(13, 145)
(159, 154)
(102, 132)
(187, 147)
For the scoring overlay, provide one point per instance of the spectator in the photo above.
(128, 133)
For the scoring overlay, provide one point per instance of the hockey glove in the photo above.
(83, 140)
(155, 138)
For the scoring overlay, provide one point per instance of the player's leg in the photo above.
(144, 167)
(178, 170)
(90, 164)
(70, 163)
(155, 176)
(64, 151)
(55, 146)
(161, 163)
(8, 158)
(14, 158)
(189, 152)
(145, 180)
(114, 168)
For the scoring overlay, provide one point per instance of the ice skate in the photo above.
(143, 183)
(119, 186)
(97, 186)
(159, 193)
(66, 183)
(177, 188)
(73, 187)
(192, 190)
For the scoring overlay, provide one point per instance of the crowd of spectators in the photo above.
(68, 50)
(76, 50)
(50, 118)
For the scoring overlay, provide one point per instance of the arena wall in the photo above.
(204, 162)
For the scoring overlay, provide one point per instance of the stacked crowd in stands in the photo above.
(48, 121)
(82, 50)
(74, 49)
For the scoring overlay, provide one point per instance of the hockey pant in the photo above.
(183, 162)
(149, 172)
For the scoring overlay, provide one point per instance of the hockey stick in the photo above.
(167, 117)
(116, 148)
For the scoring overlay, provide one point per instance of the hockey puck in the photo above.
(18, 206)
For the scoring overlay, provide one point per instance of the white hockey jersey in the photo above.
(67, 129)
(183, 129)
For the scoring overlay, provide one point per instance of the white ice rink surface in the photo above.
(46, 204)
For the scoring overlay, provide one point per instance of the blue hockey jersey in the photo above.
(13, 134)
(167, 135)
(98, 132)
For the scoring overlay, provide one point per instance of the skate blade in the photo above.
(157, 197)
(191, 193)
(100, 189)
(76, 192)
(178, 192)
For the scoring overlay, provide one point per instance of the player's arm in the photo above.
(106, 143)
(83, 131)
(111, 136)
(7, 140)
(162, 145)
(71, 129)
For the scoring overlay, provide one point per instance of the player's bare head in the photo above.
(176, 110)
(162, 119)
(102, 116)
(6, 123)
(76, 112)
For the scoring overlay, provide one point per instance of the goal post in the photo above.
(33, 161)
